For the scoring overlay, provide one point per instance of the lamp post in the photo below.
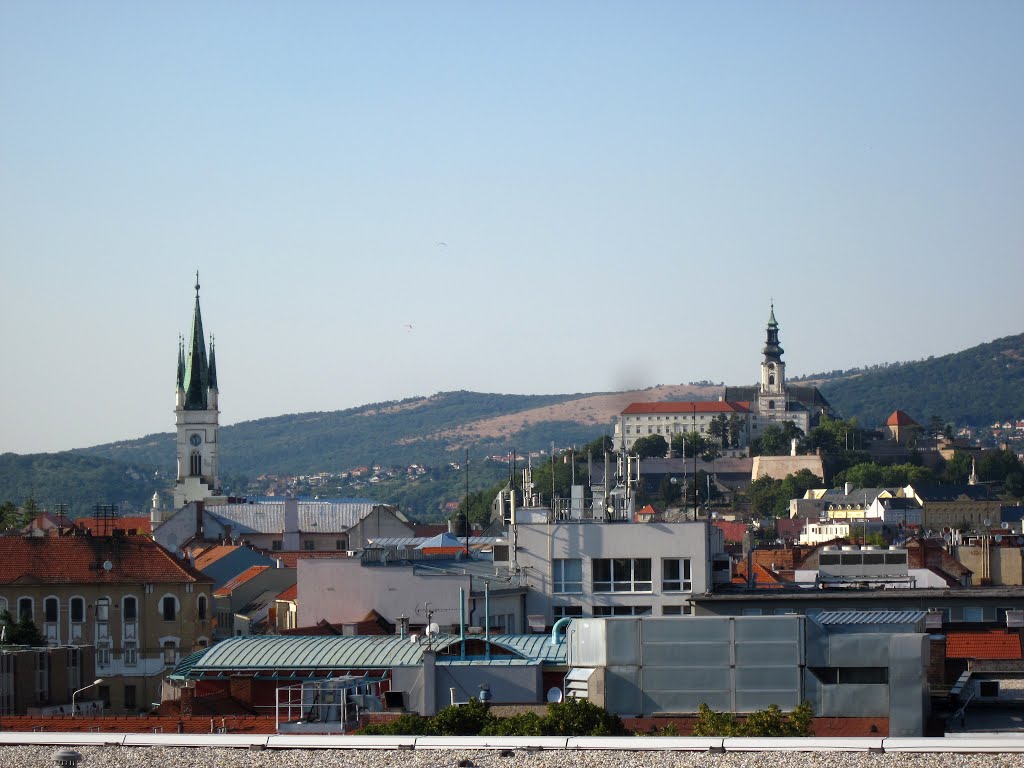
(97, 681)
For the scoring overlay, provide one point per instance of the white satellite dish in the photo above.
(432, 628)
(998, 538)
(1004, 526)
(107, 565)
(988, 522)
(1020, 540)
(554, 695)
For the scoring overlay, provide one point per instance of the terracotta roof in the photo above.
(688, 406)
(731, 531)
(763, 578)
(995, 644)
(240, 579)
(900, 419)
(212, 554)
(289, 594)
(81, 560)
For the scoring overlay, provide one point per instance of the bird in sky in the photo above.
(441, 243)
(408, 328)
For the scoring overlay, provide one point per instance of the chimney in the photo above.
(792, 447)
(291, 525)
(847, 488)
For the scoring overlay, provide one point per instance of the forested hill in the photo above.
(415, 430)
(978, 386)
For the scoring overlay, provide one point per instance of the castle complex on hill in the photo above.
(748, 409)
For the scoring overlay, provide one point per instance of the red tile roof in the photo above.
(82, 559)
(289, 594)
(688, 406)
(212, 554)
(239, 580)
(732, 531)
(995, 644)
(900, 419)
(290, 559)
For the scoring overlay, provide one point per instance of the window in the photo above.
(675, 574)
(561, 611)
(622, 610)
(338, 544)
(988, 688)
(103, 692)
(129, 697)
(752, 612)
(201, 607)
(103, 610)
(622, 574)
(50, 609)
(131, 653)
(276, 545)
(130, 609)
(973, 614)
(568, 576)
(102, 654)
(169, 608)
(196, 464)
(309, 544)
(170, 652)
(676, 610)
(25, 610)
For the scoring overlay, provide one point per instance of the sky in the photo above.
(389, 200)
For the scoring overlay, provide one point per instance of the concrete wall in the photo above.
(343, 591)
(537, 545)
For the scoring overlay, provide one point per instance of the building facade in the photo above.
(140, 607)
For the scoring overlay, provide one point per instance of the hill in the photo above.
(977, 386)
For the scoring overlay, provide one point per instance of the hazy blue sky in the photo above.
(622, 187)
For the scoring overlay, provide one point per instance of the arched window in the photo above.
(51, 610)
(196, 467)
(201, 607)
(25, 609)
(771, 405)
(771, 379)
(77, 609)
(129, 609)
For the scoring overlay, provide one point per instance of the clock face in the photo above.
(195, 439)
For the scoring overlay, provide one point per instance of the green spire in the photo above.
(213, 365)
(197, 374)
(771, 318)
(181, 362)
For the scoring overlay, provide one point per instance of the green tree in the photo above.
(690, 444)
(794, 486)
(468, 719)
(21, 632)
(598, 447)
(763, 723)
(718, 429)
(580, 717)
(771, 442)
(995, 466)
(650, 447)
(765, 497)
(957, 469)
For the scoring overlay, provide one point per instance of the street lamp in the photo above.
(97, 681)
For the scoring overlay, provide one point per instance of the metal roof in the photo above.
(329, 653)
(314, 516)
(869, 617)
(415, 541)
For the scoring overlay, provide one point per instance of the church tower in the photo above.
(196, 416)
(771, 396)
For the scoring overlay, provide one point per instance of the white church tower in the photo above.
(196, 417)
(772, 395)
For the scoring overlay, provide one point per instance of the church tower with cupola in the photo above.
(196, 416)
(771, 396)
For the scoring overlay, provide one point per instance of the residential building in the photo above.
(137, 604)
(959, 507)
(44, 680)
(243, 605)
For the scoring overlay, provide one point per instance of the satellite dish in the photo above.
(1004, 526)
(432, 628)
(988, 522)
(1020, 540)
(554, 695)
(998, 538)
(107, 565)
